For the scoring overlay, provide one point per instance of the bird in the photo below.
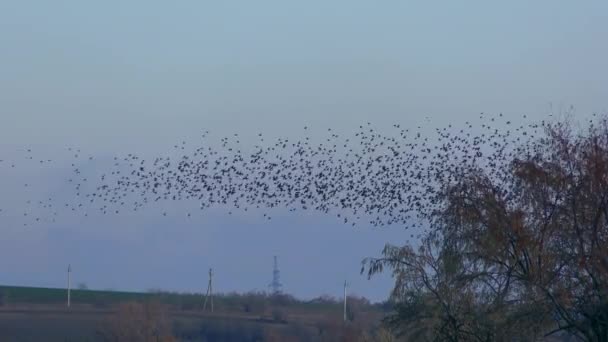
(367, 177)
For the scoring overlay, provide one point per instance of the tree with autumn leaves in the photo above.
(516, 247)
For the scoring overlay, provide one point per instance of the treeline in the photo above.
(260, 302)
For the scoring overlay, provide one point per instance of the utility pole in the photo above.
(209, 291)
(69, 283)
(345, 285)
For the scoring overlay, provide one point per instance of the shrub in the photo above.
(138, 322)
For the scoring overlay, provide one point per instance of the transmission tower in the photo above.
(276, 278)
(209, 291)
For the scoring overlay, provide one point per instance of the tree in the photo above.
(522, 235)
(564, 217)
(439, 296)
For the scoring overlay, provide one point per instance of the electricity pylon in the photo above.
(209, 291)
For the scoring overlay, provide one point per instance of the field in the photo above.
(41, 314)
(41, 295)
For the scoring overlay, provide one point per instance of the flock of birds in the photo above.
(367, 175)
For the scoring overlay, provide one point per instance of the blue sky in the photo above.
(139, 76)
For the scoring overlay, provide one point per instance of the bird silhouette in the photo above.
(397, 177)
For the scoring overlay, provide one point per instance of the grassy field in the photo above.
(41, 314)
(41, 295)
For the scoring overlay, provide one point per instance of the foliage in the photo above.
(138, 322)
(516, 250)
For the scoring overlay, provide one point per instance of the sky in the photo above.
(116, 77)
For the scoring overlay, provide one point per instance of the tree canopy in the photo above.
(517, 249)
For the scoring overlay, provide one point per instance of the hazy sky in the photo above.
(138, 76)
